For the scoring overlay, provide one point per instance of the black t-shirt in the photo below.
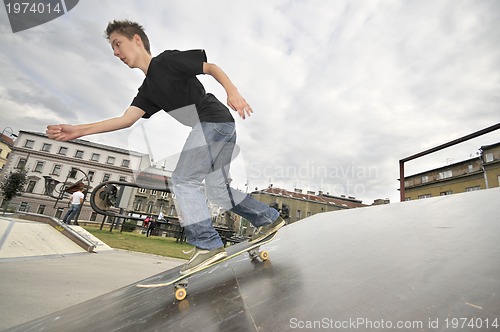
(171, 85)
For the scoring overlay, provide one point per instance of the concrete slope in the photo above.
(22, 238)
(423, 265)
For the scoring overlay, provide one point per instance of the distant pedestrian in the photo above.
(151, 227)
(76, 201)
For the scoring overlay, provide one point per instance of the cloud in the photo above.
(341, 86)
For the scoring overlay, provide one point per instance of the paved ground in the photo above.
(32, 286)
(414, 266)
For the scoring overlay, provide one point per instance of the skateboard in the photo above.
(180, 281)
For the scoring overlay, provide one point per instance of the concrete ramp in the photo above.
(429, 265)
(22, 238)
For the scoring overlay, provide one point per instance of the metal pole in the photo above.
(437, 148)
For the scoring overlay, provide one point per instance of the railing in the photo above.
(435, 149)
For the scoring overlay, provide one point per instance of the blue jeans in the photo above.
(72, 211)
(206, 156)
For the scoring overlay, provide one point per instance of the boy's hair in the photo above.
(128, 29)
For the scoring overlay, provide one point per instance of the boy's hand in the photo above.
(239, 104)
(62, 132)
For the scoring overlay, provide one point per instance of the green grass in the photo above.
(139, 242)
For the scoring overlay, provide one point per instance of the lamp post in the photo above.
(11, 132)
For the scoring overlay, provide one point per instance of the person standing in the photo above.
(76, 201)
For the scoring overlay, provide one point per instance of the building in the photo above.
(70, 162)
(6, 144)
(481, 172)
(300, 205)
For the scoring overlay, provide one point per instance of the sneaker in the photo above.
(201, 258)
(264, 231)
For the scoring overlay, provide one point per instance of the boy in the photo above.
(171, 85)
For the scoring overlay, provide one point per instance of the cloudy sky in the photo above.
(341, 90)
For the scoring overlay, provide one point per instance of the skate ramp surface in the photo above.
(22, 238)
(422, 265)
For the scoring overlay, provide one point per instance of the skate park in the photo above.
(421, 265)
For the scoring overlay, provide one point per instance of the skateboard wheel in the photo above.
(264, 255)
(180, 294)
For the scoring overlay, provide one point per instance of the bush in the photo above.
(129, 227)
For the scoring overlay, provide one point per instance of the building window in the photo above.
(111, 160)
(445, 175)
(424, 196)
(488, 157)
(149, 208)
(29, 144)
(24, 207)
(41, 209)
(123, 179)
(56, 170)
(59, 213)
(475, 188)
(91, 175)
(138, 206)
(125, 163)
(79, 154)
(31, 186)
(299, 214)
(63, 150)
(39, 167)
(142, 191)
(95, 157)
(172, 211)
(153, 192)
(470, 168)
(46, 147)
(164, 195)
(446, 193)
(425, 179)
(72, 173)
(21, 163)
(106, 177)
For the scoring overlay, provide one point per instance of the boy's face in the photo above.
(126, 49)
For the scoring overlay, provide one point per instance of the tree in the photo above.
(13, 185)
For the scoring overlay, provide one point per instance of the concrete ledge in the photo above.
(84, 243)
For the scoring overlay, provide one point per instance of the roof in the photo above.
(342, 202)
(91, 144)
(7, 140)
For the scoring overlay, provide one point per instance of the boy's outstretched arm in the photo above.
(234, 99)
(66, 132)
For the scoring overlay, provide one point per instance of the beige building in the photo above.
(68, 162)
(477, 173)
(6, 144)
(302, 205)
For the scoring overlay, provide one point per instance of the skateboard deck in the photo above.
(179, 280)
